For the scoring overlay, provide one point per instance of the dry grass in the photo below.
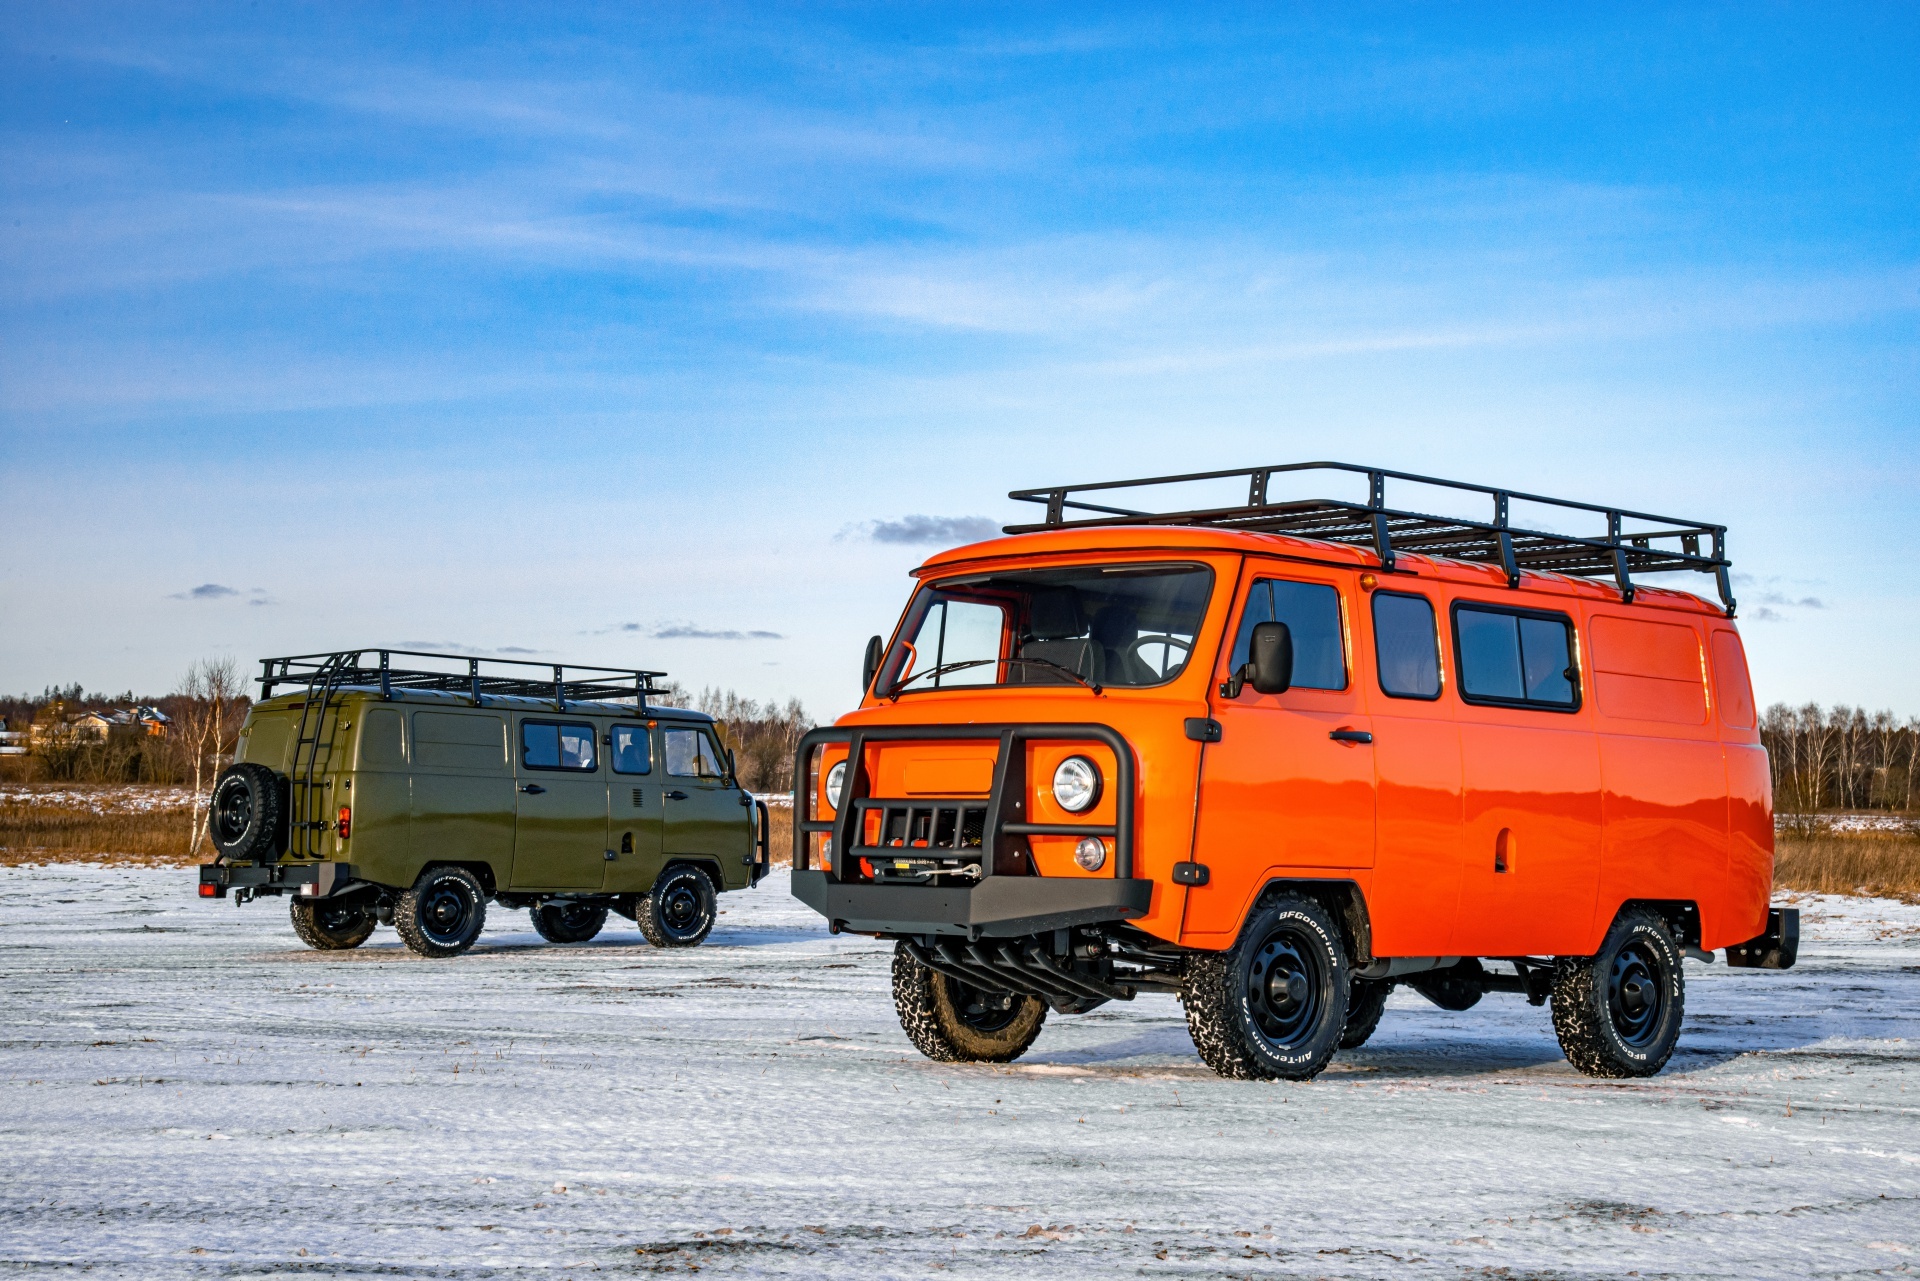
(1886, 864)
(41, 833)
(97, 825)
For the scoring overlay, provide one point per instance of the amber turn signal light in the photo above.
(345, 825)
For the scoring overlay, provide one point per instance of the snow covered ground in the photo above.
(189, 1093)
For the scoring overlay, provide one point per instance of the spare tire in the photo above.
(247, 819)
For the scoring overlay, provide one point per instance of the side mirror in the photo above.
(876, 649)
(733, 768)
(1269, 665)
(1270, 658)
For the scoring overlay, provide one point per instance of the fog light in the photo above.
(1076, 784)
(209, 890)
(1090, 853)
(836, 784)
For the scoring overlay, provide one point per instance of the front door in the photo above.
(560, 819)
(705, 819)
(636, 809)
(1290, 783)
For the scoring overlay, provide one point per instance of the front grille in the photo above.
(955, 826)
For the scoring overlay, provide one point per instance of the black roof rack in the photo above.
(562, 682)
(1655, 544)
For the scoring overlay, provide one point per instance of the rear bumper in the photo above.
(309, 880)
(996, 907)
(1777, 949)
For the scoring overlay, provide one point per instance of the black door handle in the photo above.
(533, 789)
(676, 796)
(1351, 736)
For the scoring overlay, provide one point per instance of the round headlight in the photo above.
(1076, 784)
(1090, 853)
(837, 784)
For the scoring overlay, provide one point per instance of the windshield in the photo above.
(1118, 626)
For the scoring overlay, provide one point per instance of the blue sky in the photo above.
(675, 336)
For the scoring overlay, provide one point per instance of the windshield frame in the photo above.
(901, 655)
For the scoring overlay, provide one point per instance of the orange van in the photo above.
(1278, 756)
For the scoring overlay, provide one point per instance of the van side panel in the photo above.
(463, 796)
(1749, 798)
(379, 796)
(1664, 803)
(1531, 841)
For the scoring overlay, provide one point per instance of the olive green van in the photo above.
(413, 796)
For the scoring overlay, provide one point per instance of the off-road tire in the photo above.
(680, 909)
(1618, 1013)
(443, 913)
(954, 1022)
(247, 817)
(1241, 1026)
(568, 920)
(332, 925)
(1365, 1004)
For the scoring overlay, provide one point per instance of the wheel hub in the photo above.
(1283, 988)
(1635, 1000)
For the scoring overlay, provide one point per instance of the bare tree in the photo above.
(212, 705)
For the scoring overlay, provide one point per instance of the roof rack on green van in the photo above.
(1654, 544)
(562, 682)
(330, 675)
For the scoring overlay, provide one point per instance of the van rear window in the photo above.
(1515, 657)
(1407, 645)
(549, 745)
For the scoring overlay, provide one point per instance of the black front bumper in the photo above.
(995, 907)
(309, 880)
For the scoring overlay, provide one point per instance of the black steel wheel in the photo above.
(680, 909)
(1618, 1013)
(443, 913)
(569, 920)
(954, 1022)
(247, 817)
(1275, 1004)
(333, 924)
(1365, 1004)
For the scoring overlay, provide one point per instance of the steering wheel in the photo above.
(1132, 651)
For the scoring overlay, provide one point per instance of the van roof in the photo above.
(493, 702)
(1519, 532)
(1177, 539)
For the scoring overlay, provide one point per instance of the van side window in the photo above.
(547, 745)
(1406, 645)
(1311, 612)
(632, 750)
(691, 754)
(1508, 656)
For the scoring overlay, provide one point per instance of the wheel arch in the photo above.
(706, 863)
(1344, 899)
(480, 869)
(1681, 915)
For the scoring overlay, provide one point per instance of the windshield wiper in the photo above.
(896, 688)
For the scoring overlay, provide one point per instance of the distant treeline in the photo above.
(763, 736)
(1840, 758)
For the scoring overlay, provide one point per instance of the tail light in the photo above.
(209, 890)
(345, 825)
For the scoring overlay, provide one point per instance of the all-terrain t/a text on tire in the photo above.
(443, 913)
(333, 925)
(679, 910)
(1274, 1004)
(248, 817)
(954, 1022)
(1618, 1013)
